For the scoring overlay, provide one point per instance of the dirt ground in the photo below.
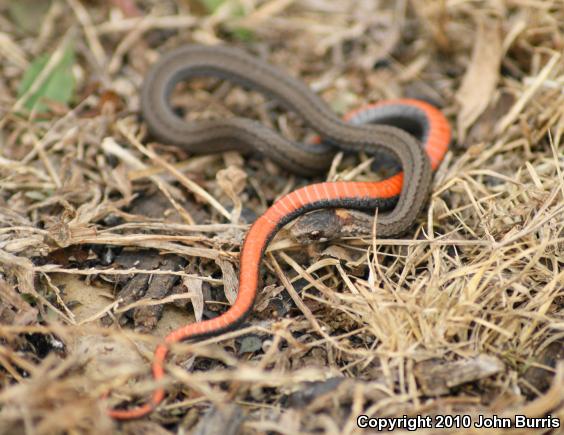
(109, 239)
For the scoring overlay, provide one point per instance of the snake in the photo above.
(413, 131)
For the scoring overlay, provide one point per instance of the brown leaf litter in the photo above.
(108, 240)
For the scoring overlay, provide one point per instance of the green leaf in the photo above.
(58, 85)
(212, 5)
(243, 34)
(29, 298)
(28, 14)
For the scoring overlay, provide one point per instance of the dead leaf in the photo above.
(480, 80)
(232, 181)
(486, 122)
(230, 280)
(436, 377)
(194, 287)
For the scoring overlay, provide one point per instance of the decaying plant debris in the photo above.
(464, 314)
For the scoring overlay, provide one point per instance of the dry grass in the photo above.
(449, 319)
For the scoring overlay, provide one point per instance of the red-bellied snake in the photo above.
(385, 125)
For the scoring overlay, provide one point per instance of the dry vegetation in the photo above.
(462, 315)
